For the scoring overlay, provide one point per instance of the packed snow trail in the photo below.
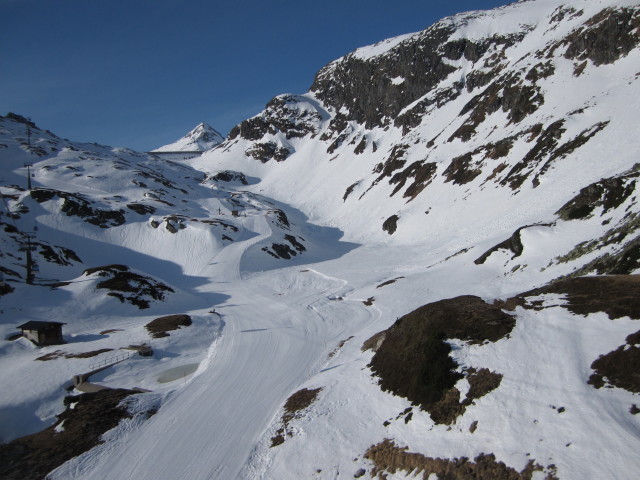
(268, 348)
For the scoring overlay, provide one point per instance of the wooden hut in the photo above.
(43, 333)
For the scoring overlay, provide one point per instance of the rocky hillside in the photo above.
(498, 123)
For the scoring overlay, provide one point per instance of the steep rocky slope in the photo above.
(528, 108)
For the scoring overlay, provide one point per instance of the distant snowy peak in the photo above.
(203, 137)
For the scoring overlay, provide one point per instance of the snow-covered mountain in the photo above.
(203, 137)
(424, 267)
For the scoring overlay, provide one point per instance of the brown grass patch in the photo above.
(113, 330)
(388, 458)
(293, 408)
(616, 295)
(374, 342)
(413, 360)
(36, 455)
(620, 367)
(448, 408)
(161, 325)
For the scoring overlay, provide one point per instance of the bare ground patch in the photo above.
(293, 408)
(388, 458)
(160, 326)
(62, 354)
(617, 296)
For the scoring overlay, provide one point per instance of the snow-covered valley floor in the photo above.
(277, 330)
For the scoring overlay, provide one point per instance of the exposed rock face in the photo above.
(285, 118)
(608, 194)
(230, 176)
(128, 286)
(390, 225)
(365, 87)
(376, 89)
(491, 90)
(605, 37)
(75, 204)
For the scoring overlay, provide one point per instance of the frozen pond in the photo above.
(177, 373)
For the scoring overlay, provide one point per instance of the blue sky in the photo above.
(141, 73)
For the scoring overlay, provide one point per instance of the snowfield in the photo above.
(308, 231)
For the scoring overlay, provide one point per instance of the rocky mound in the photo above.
(128, 286)
(412, 359)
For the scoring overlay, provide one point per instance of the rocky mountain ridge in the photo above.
(482, 104)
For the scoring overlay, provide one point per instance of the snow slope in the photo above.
(317, 224)
(203, 137)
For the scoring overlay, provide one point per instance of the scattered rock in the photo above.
(141, 209)
(389, 282)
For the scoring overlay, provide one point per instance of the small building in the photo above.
(235, 213)
(42, 333)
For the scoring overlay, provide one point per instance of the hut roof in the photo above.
(36, 325)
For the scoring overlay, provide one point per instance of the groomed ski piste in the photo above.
(277, 332)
